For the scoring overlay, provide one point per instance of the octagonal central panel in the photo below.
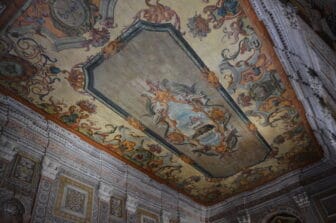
(158, 79)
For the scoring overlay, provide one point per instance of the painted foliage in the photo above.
(44, 48)
(215, 16)
(196, 121)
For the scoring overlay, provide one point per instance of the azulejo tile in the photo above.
(74, 200)
(24, 169)
(23, 174)
(117, 207)
(145, 216)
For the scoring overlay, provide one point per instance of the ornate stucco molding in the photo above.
(281, 209)
(302, 200)
(105, 191)
(132, 204)
(7, 149)
(244, 218)
(50, 168)
(166, 215)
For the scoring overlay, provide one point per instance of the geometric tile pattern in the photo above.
(74, 200)
(117, 207)
(144, 216)
(23, 174)
(23, 170)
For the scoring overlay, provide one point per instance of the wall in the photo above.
(59, 178)
(37, 172)
(311, 67)
(40, 161)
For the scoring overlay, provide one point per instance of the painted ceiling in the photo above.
(188, 91)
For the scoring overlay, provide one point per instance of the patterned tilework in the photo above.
(145, 216)
(24, 169)
(42, 198)
(23, 174)
(74, 200)
(103, 212)
(117, 207)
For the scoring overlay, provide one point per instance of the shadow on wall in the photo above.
(284, 218)
(283, 214)
(11, 211)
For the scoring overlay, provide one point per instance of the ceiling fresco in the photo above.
(178, 106)
(190, 92)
